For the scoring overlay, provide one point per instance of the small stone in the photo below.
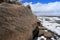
(48, 34)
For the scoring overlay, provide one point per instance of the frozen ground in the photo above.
(50, 24)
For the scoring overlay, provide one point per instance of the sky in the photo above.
(44, 7)
(41, 1)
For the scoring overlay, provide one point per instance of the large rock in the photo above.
(8, 0)
(48, 34)
(41, 32)
(16, 22)
(4, 1)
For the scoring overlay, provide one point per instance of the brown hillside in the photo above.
(16, 22)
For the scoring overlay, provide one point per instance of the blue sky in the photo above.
(44, 7)
(41, 1)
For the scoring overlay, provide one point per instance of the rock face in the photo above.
(44, 32)
(8, 1)
(16, 22)
(48, 34)
(4, 1)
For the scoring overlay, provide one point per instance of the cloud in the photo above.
(52, 8)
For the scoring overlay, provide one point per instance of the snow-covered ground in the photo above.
(51, 24)
(39, 38)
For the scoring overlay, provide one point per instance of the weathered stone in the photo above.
(4, 1)
(18, 3)
(41, 32)
(48, 34)
(28, 6)
(16, 22)
(8, 1)
(42, 28)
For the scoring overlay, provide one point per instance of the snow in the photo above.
(39, 38)
(50, 25)
(52, 39)
(55, 27)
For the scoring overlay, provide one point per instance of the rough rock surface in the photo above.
(16, 22)
(41, 32)
(8, 1)
(48, 34)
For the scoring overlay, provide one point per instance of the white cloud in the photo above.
(45, 9)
